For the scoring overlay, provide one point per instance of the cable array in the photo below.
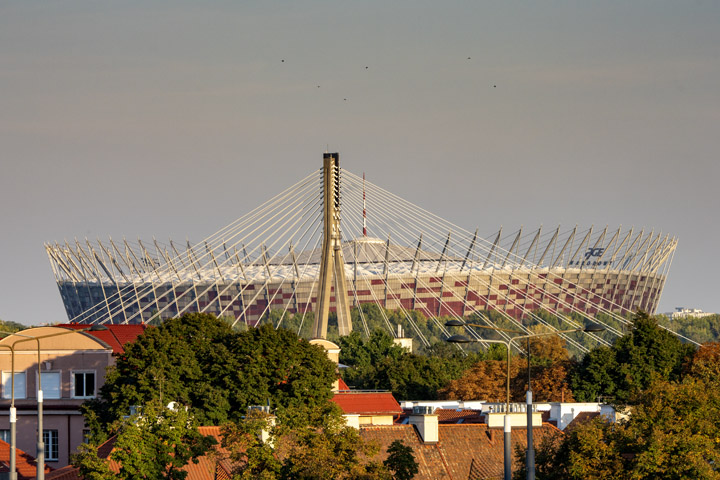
(398, 256)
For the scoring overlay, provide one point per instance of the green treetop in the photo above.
(647, 354)
(199, 361)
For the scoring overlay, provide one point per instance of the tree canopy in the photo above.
(378, 363)
(672, 429)
(401, 461)
(324, 449)
(199, 361)
(11, 327)
(673, 432)
(156, 442)
(487, 378)
(647, 354)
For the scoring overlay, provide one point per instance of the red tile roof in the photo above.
(212, 466)
(367, 403)
(65, 473)
(463, 451)
(449, 415)
(116, 336)
(24, 463)
(73, 473)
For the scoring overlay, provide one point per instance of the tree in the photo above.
(155, 443)
(700, 329)
(401, 461)
(11, 327)
(551, 383)
(673, 431)
(324, 449)
(645, 355)
(199, 361)
(705, 363)
(649, 353)
(547, 350)
(588, 452)
(596, 375)
(378, 363)
(487, 379)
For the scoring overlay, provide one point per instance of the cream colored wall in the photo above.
(66, 354)
(375, 420)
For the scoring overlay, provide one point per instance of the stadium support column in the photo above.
(332, 263)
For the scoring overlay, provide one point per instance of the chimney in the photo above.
(426, 423)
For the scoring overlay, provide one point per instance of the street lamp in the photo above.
(13, 414)
(40, 460)
(530, 456)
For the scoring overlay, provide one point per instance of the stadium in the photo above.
(334, 232)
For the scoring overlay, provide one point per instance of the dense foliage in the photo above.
(10, 327)
(154, 443)
(323, 449)
(487, 378)
(379, 364)
(672, 431)
(670, 390)
(199, 361)
(700, 329)
(645, 355)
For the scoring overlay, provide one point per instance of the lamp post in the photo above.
(530, 456)
(530, 453)
(13, 414)
(40, 459)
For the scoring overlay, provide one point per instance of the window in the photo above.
(50, 384)
(5, 436)
(50, 437)
(86, 436)
(83, 384)
(19, 385)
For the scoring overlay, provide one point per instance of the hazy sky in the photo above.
(173, 118)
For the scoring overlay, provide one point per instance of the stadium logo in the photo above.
(591, 252)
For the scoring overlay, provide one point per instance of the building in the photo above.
(612, 278)
(72, 365)
(684, 312)
(361, 408)
(466, 451)
(558, 414)
(380, 249)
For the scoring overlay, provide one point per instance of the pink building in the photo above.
(72, 365)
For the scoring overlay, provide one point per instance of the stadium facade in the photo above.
(409, 259)
(126, 290)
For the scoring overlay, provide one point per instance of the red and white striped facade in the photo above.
(417, 280)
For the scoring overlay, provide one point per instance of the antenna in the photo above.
(364, 214)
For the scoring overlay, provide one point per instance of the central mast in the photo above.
(332, 263)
